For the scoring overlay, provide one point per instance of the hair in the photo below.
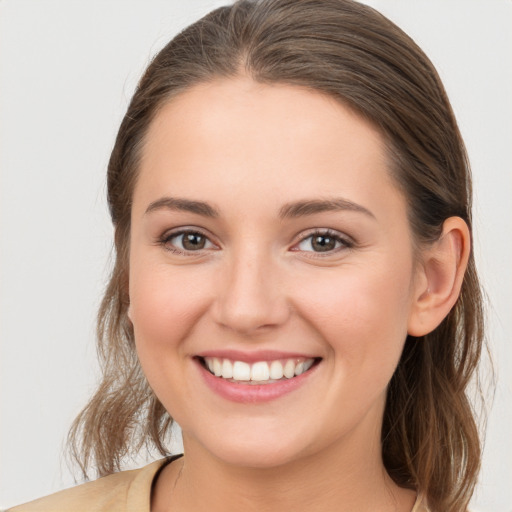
(350, 52)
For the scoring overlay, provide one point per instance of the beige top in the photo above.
(126, 491)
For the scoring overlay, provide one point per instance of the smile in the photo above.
(255, 377)
(258, 372)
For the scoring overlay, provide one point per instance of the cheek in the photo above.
(165, 303)
(165, 307)
(361, 313)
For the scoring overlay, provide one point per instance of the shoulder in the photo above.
(125, 491)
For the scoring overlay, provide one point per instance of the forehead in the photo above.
(240, 107)
(262, 141)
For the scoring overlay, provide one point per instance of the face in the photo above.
(271, 272)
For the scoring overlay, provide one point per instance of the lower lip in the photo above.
(253, 393)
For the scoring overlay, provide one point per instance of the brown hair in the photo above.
(350, 52)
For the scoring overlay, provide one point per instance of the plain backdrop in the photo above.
(67, 71)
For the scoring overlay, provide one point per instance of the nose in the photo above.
(251, 298)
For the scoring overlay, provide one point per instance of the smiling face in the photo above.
(269, 239)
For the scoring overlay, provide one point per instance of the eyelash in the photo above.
(343, 241)
(167, 237)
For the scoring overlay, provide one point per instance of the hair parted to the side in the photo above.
(348, 51)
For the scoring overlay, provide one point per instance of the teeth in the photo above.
(276, 370)
(227, 369)
(299, 369)
(308, 364)
(262, 371)
(241, 371)
(289, 369)
(217, 367)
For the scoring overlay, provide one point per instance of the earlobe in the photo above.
(442, 271)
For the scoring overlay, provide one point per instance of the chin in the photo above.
(258, 457)
(254, 449)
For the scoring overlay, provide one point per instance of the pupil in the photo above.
(323, 243)
(193, 241)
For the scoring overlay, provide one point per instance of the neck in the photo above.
(341, 478)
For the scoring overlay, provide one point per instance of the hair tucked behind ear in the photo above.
(352, 53)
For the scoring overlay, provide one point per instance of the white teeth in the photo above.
(241, 371)
(308, 364)
(276, 370)
(227, 369)
(299, 369)
(217, 367)
(261, 371)
(289, 369)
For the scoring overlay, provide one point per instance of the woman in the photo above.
(294, 282)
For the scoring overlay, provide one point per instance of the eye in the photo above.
(322, 242)
(186, 241)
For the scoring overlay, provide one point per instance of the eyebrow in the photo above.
(185, 205)
(312, 206)
(289, 210)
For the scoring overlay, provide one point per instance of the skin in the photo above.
(248, 150)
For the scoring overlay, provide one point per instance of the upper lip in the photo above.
(253, 357)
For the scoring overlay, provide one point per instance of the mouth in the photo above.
(258, 372)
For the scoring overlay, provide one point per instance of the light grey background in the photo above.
(67, 71)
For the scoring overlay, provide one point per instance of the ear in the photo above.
(128, 303)
(439, 277)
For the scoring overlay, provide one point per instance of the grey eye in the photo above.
(190, 241)
(320, 242)
(193, 241)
